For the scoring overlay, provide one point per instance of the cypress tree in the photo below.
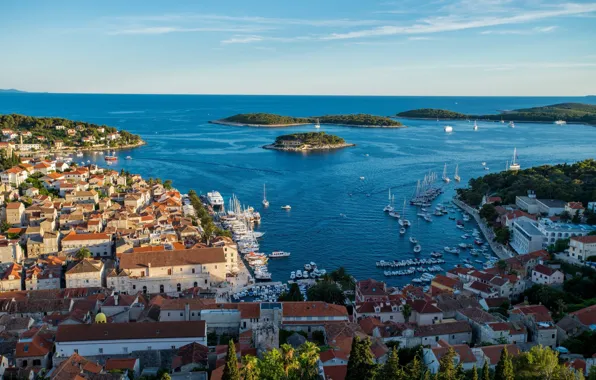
(446, 367)
(392, 370)
(486, 371)
(415, 369)
(504, 370)
(360, 364)
(231, 369)
(474, 373)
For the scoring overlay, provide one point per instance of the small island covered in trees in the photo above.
(569, 112)
(29, 133)
(273, 120)
(300, 142)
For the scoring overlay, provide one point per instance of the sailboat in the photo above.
(511, 124)
(445, 178)
(514, 164)
(389, 207)
(475, 125)
(317, 124)
(265, 201)
(404, 222)
(456, 176)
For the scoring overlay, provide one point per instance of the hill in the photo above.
(308, 141)
(273, 120)
(569, 112)
(11, 90)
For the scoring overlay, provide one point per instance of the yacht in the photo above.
(445, 178)
(101, 152)
(560, 122)
(304, 274)
(265, 201)
(514, 164)
(456, 176)
(484, 164)
(111, 158)
(286, 207)
(475, 125)
(292, 275)
(362, 178)
(278, 254)
(215, 199)
(307, 267)
(448, 129)
(511, 124)
(486, 168)
(79, 154)
(417, 248)
(298, 274)
(317, 124)
(394, 214)
(389, 207)
(402, 231)
(128, 157)
(428, 218)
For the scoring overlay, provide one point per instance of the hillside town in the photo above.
(106, 275)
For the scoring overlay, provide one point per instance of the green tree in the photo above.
(486, 371)
(474, 373)
(326, 291)
(360, 364)
(592, 373)
(415, 368)
(165, 376)
(407, 312)
(293, 294)
(287, 358)
(251, 370)
(565, 216)
(576, 218)
(271, 366)
(391, 369)
(540, 362)
(308, 357)
(83, 253)
(504, 370)
(4, 227)
(488, 212)
(447, 369)
(167, 184)
(231, 367)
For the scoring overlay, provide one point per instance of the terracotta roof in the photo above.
(180, 303)
(478, 315)
(123, 363)
(13, 205)
(193, 353)
(371, 287)
(493, 353)
(575, 205)
(71, 368)
(476, 285)
(585, 239)
(423, 307)
(587, 316)
(86, 266)
(172, 258)
(313, 309)
(543, 269)
(445, 281)
(443, 329)
(40, 345)
(73, 236)
(335, 372)
(123, 300)
(125, 331)
(463, 351)
(539, 312)
(332, 354)
(495, 302)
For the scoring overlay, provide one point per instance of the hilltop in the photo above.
(274, 120)
(569, 112)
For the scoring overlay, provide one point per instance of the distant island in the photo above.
(568, 112)
(301, 142)
(272, 120)
(32, 134)
(11, 90)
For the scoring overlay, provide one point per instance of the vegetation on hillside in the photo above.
(45, 127)
(570, 112)
(311, 138)
(273, 119)
(575, 182)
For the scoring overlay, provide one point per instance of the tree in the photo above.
(576, 218)
(293, 294)
(486, 371)
(488, 212)
(4, 227)
(502, 265)
(208, 232)
(446, 367)
(271, 367)
(565, 216)
(83, 253)
(287, 358)
(474, 373)
(326, 291)
(504, 370)
(231, 367)
(165, 376)
(502, 235)
(592, 373)
(308, 357)
(167, 184)
(540, 362)
(392, 370)
(559, 246)
(360, 364)
(415, 369)
(407, 312)
(251, 371)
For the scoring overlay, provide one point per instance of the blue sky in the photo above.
(402, 47)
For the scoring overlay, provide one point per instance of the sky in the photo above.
(332, 47)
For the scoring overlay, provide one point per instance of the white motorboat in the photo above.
(286, 207)
(484, 164)
(317, 124)
(511, 124)
(304, 274)
(448, 129)
(101, 152)
(389, 207)
(298, 274)
(486, 168)
(362, 178)
(417, 248)
(215, 199)
(292, 275)
(128, 157)
(428, 218)
(406, 223)
(79, 154)
(413, 240)
(313, 265)
(278, 254)
(307, 267)
(394, 214)
(402, 231)
(560, 122)
(475, 125)
(265, 201)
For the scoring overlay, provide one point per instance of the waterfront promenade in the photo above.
(488, 233)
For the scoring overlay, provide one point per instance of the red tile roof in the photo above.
(335, 372)
(332, 354)
(493, 353)
(543, 269)
(172, 258)
(123, 363)
(125, 331)
(585, 239)
(587, 316)
(313, 309)
(423, 307)
(73, 236)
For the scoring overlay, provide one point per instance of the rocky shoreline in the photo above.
(306, 148)
(229, 123)
(72, 149)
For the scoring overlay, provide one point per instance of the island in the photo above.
(568, 112)
(272, 120)
(309, 141)
(38, 134)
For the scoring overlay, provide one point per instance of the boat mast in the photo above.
(514, 154)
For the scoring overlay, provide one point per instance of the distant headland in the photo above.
(12, 91)
(268, 120)
(302, 142)
(569, 112)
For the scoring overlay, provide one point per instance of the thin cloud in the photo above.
(420, 38)
(452, 23)
(546, 29)
(242, 40)
(502, 66)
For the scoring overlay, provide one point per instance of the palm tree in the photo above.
(407, 312)
(308, 357)
(83, 253)
(287, 357)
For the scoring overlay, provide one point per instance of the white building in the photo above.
(527, 203)
(526, 237)
(550, 207)
(554, 231)
(582, 247)
(99, 244)
(124, 338)
(14, 176)
(86, 273)
(10, 251)
(541, 274)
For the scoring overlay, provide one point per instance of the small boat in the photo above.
(394, 214)
(307, 267)
(111, 158)
(286, 207)
(456, 176)
(436, 254)
(79, 154)
(278, 254)
(416, 280)
(304, 274)
(445, 178)
(417, 248)
(484, 164)
(317, 124)
(448, 129)
(362, 178)
(475, 125)
(292, 275)
(128, 157)
(428, 218)
(298, 274)
(511, 124)
(514, 164)
(560, 122)
(101, 152)
(265, 201)
(413, 240)
(402, 231)
(389, 207)
(486, 168)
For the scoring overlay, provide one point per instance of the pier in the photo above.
(497, 248)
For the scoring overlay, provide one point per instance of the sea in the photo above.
(337, 197)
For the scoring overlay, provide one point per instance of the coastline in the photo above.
(89, 149)
(307, 148)
(229, 123)
(495, 121)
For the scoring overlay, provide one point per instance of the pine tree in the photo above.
(231, 369)
(427, 375)
(446, 367)
(360, 364)
(474, 373)
(392, 370)
(486, 371)
(504, 370)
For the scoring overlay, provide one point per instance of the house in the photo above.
(582, 247)
(112, 136)
(333, 358)
(492, 354)
(118, 306)
(10, 251)
(34, 349)
(338, 372)
(541, 274)
(505, 332)
(478, 319)
(490, 200)
(124, 338)
(15, 214)
(446, 284)
(528, 203)
(130, 366)
(538, 321)
(451, 332)
(554, 231)
(312, 312)
(463, 355)
(99, 244)
(574, 208)
(169, 271)
(10, 279)
(77, 367)
(90, 196)
(85, 273)
(371, 290)
(13, 176)
(190, 357)
(508, 219)
(384, 311)
(550, 207)
(425, 313)
(481, 289)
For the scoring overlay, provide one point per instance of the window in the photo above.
(193, 270)
(134, 287)
(168, 314)
(180, 269)
(178, 287)
(182, 314)
(125, 350)
(101, 350)
(149, 348)
(76, 351)
(553, 336)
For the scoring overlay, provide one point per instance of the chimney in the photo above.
(187, 312)
(116, 299)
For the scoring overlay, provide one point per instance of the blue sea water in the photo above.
(321, 187)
